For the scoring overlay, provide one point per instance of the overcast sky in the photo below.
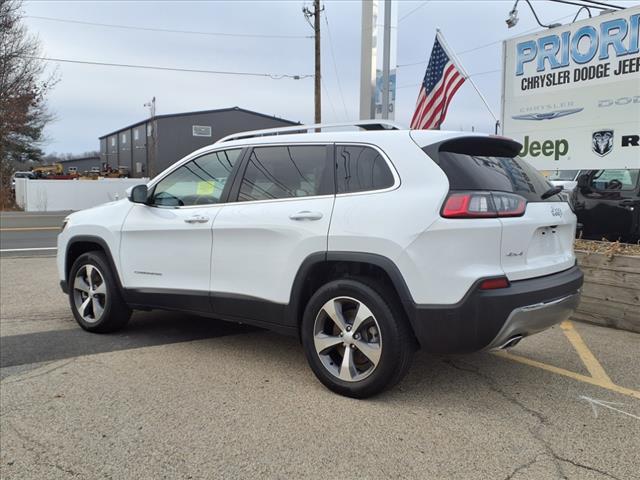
(91, 100)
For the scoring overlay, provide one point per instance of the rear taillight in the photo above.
(478, 204)
(494, 283)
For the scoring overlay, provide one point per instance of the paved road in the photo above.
(175, 396)
(29, 234)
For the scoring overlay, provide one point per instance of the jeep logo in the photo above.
(546, 148)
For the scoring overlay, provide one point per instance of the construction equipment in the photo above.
(45, 171)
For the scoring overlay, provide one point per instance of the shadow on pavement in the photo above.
(145, 329)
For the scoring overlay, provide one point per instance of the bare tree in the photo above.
(23, 90)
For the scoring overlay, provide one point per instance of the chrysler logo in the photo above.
(548, 115)
(602, 142)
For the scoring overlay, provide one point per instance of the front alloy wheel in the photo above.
(90, 293)
(94, 296)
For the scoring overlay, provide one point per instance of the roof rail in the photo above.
(363, 124)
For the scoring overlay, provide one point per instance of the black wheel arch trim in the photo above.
(107, 251)
(384, 263)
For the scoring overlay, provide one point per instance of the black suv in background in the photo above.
(607, 204)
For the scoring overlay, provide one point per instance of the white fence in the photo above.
(59, 195)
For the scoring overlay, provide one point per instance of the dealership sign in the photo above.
(571, 94)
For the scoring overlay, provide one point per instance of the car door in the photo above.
(165, 250)
(281, 214)
(609, 206)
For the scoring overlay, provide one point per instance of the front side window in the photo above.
(198, 182)
(360, 169)
(286, 172)
(615, 179)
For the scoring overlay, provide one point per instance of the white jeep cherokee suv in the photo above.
(365, 244)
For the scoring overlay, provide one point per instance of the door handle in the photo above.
(306, 215)
(197, 219)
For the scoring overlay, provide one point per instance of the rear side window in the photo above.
(490, 166)
(286, 172)
(361, 168)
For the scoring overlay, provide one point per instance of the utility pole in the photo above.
(152, 131)
(317, 79)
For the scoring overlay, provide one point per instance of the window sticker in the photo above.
(205, 188)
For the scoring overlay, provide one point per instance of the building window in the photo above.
(149, 129)
(201, 131)
(136, 134)
(113, 141)
(124, 138)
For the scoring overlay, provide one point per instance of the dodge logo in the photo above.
(602, 142)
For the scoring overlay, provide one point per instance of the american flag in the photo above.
(441, 81)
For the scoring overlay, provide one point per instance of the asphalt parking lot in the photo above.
(175, 396)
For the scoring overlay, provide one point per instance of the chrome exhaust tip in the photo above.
(512, 342)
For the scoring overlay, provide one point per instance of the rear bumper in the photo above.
(487, 319)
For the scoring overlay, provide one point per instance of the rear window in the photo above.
(563, 175)
(489, 164)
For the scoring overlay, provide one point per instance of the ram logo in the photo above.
(602, 142)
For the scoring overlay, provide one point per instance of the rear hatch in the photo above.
(538, 226)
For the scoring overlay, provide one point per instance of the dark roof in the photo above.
(92, 157)
(183, 114)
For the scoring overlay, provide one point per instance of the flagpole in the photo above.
(456, 61)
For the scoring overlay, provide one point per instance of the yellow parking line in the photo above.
(589, 360)
(567, 373)
(24, 229)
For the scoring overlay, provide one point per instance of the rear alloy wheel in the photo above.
(94, 296)
(356, 337)
(346, 336)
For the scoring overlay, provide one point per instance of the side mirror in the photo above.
(583, 181)
(137, 194)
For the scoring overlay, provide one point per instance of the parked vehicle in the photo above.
(366, 245)
(607, 204)
(567, 179)
(29, 175)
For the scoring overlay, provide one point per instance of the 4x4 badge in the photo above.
(602, 142)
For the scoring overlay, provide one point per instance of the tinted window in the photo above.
(359, 169)
(199, 182)
(285, 172)
(617, 179)
(506, 174)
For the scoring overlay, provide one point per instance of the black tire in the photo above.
(115, 313)
(395, 337)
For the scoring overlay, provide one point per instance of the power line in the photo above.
(335, 68)
(480, 47)
(273, 76)
(326, 94)
(414, 10)
(166, 30)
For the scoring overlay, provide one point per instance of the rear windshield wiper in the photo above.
(551, 192)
